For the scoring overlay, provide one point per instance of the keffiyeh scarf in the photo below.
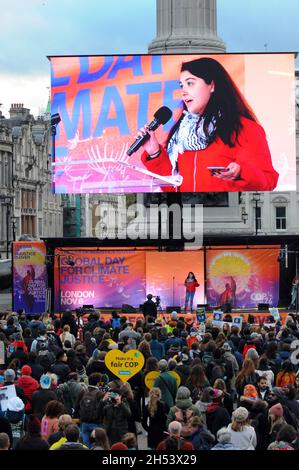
(190, 136)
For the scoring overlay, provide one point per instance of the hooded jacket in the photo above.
(17, 420)
(29, 385)
(184, 404)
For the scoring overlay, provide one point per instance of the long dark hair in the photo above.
(194, 278)
(226, 104)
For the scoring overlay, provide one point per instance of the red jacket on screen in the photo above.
(251, 152)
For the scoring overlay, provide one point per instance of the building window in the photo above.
(40, 201)
(281, 218)
(40, 227)
(17, 200)
(258, 217)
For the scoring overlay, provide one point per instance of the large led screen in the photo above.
(242, 277)
(234, 116)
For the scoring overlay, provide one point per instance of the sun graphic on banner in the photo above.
(226, 266)
(28, 256)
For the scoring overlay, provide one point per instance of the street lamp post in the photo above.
(256, 197)
(8, 202)
(244, 215)
(7, 228)
(13, 223)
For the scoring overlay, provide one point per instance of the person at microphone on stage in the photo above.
(217, 143)
(190, 284)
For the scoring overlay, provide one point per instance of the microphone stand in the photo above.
(173, 278)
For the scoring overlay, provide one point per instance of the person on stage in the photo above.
(217, 143)
(190, 284)
(294, 293)
(228, 296)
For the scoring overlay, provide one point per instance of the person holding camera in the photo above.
(149, 308)
(115, 412)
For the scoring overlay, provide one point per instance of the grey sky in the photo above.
(33, 29)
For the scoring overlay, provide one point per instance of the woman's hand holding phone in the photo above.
(231, 172)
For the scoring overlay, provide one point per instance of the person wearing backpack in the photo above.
(87, 408)
(232, 368)
(166, 383)
(69, 391)
(183, 411)
(220, 368)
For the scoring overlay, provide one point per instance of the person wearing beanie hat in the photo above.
(29, 386)
(26, 370)
(32, 439)
(224, 441)
(217, 415)
(277, 420)
(119, 446)
(276, 410)
(243, 435)
(183, 406)
(42, 396)
(166, 383)
(9, 375)
(250, 392)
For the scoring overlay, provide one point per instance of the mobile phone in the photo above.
(216, 168)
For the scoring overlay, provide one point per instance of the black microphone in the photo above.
(161, 117)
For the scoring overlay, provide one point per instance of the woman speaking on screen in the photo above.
(217, 143)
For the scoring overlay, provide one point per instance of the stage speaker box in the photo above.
(263, 307)
(128, 309)
(206, 306)
(171, 309)
(87, 307)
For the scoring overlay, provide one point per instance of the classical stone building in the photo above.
(27, 205)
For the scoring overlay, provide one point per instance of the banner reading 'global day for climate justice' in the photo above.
(104, 100)
(106, 279)
(29, 277)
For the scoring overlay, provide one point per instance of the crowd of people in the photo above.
(233, 389)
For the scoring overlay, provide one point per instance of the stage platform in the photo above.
(260, 317)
